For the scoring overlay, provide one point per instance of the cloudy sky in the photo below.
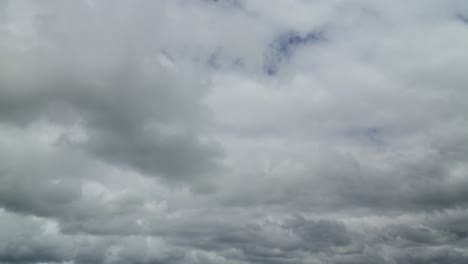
(234, 131)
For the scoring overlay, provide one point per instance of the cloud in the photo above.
(132, 110)
(233, 132)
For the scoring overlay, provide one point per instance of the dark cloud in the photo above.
(462, 18)
(233, 132)
(345, 183)
(132, 111)
(433, 256)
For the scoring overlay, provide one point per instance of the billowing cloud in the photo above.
(233, 131)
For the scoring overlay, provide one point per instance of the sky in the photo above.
(233, 132)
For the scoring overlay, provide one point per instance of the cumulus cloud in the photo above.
(233, 131)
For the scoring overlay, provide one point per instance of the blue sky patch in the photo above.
(283, 48)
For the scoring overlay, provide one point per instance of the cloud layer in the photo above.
(233, 131)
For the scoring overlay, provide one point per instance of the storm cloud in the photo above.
(233, 131)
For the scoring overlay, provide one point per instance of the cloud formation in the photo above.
(233, 131)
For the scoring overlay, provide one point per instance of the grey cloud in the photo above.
(233, 132)
(346, 183)
(23, 242)
(452, 222)
(462, 18)
(27, 240)
(317, 235)
(434, 256)
(234, 239)
(133, 112)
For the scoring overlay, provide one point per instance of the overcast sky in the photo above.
(234, 131)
